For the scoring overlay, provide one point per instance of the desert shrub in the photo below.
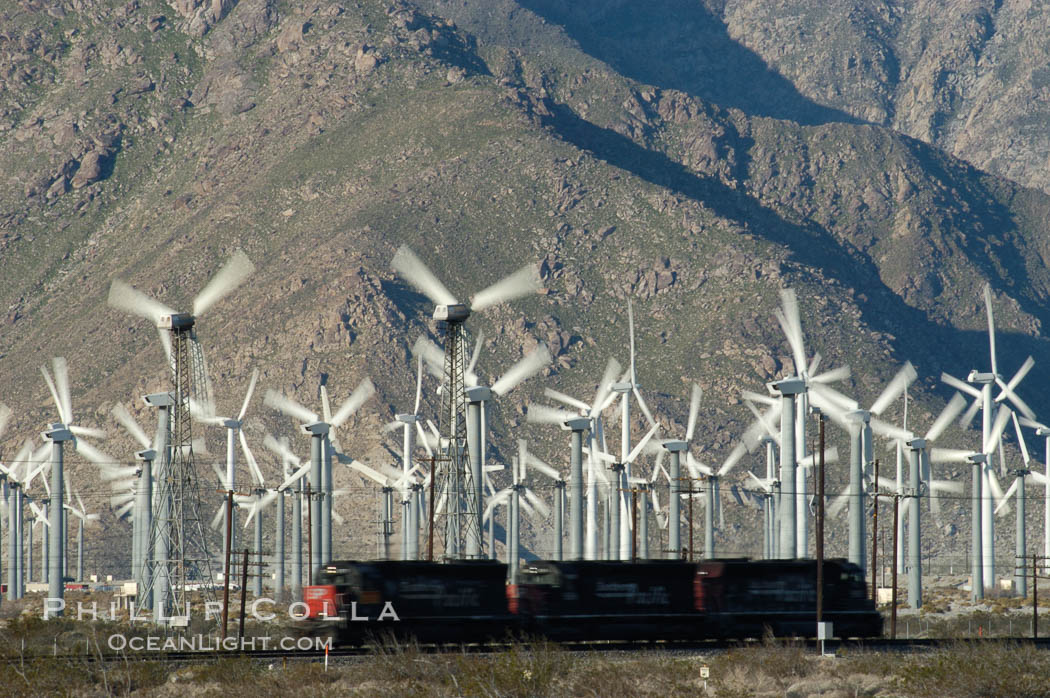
(976, 670)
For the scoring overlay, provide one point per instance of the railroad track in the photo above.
(341, 654)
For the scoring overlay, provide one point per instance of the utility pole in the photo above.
(244, 590)
(430, 532)
(690, 490)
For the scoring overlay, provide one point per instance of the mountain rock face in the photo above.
(882, 159)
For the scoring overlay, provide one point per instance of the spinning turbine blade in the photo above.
(531, 364)
(694, 412)
(1020, 440)
(469, 375)
(280, 448)
(87, 431)
(289, 406)
(419, 384)
(248, 395)
(897, 385)
(834, 375)
(250, 457)
(62, 383)
(124, 297)
(232, 275)
(521, 283)
(791, 323)
(991, 325)
(326, 408)
(54, 392)
(93, 454)
(612, 369)
(949, 455)
(1001, 418)
(947, 415)
(363, 391)
(734, 457)
(970, 413)
(290, 480)
(431, 354)
(537, 503)
(412, 270)
(121, 414)
(566, 399)
(960, 385)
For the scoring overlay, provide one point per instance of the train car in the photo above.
(599, 600)
(747, 598)
(358, 601)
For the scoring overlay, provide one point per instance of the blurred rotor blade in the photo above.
(361, 394)
(566, 399)
(124, 297)
(537, 503)
(791, 323)
(843, 402)
(432, 356)
(248, 395)
(960, 385)
(291, 479)
(946, 417)
(497, 499)
(419, 384)
(531, 364)
(641, 444)
(814, 363)
(950, 455)
(250, 457)
(165, 341)
(5, 417)
(1010, 395)
(221, 475)
(1001, 419)
(93, 454)
(694, 412)
(758, 397)
(838, 504)
(326, 407)
(991, 325)
(369, 473)
(831, 455)
(61, 368)
(1006, 497)
(1032, 424)
(994, 486)
(229, 277)
(889, 431)
(423, 440)
(542, 414)
(1020, 440)
(897, 385)
(122, 415)
(612, 370)
(734, 457)
(219, 514)
(762, 484)
(645, 407)
(834, 375)
(280, 449)
(109, 474)
(694, 466)
(54, 392)
(289, 407)
(521, 283)
(1027, 366)
(122, 511)
(547, 470)
(412, 270)
(970, 413)
(946, 486)
(469, 376)
(86, 431)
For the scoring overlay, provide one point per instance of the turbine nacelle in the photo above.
(977, 458)
(407, 418)
(452, 312)
(159, 399)
(981, 378)
(57, 432)
(579, 424)
(917, 444)
(787, 386)
(675, 446)
(316, 428)
(231, 423)
(478, 394)
(858, 416)
(621, 387)
(146, 455)
(176, 321)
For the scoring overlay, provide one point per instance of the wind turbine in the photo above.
(795, 389)
(389, 480)
(410, 427)
(559, 496)
(1017, 492)
(84, 517)
(1044, 431)
(206, 413)
(860, 425)
(463, 523)
(321, 456)
(676, 448)
(983, 401)
(15, 475)
(177, 542)
(289, 460)
(520, 496)
(58, 433)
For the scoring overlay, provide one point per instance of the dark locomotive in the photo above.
(670, 600)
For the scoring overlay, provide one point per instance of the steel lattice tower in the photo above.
(462, 523)
(178, 556)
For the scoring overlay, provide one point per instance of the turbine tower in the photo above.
(463, 480)
(177, 542)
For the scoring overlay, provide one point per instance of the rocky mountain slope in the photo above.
(147, 141)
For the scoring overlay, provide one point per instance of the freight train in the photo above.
(356, 602)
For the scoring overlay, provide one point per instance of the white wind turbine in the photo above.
(983, 401)
(794, 527)
(463, 523)
(321, 456)
(410, 427)
(58, 433)
(15, 480)
(520, 496)
(1044, 431)
(288, 461)
(674, 478)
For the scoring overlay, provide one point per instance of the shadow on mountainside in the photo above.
(683, 46)
(932, 346)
